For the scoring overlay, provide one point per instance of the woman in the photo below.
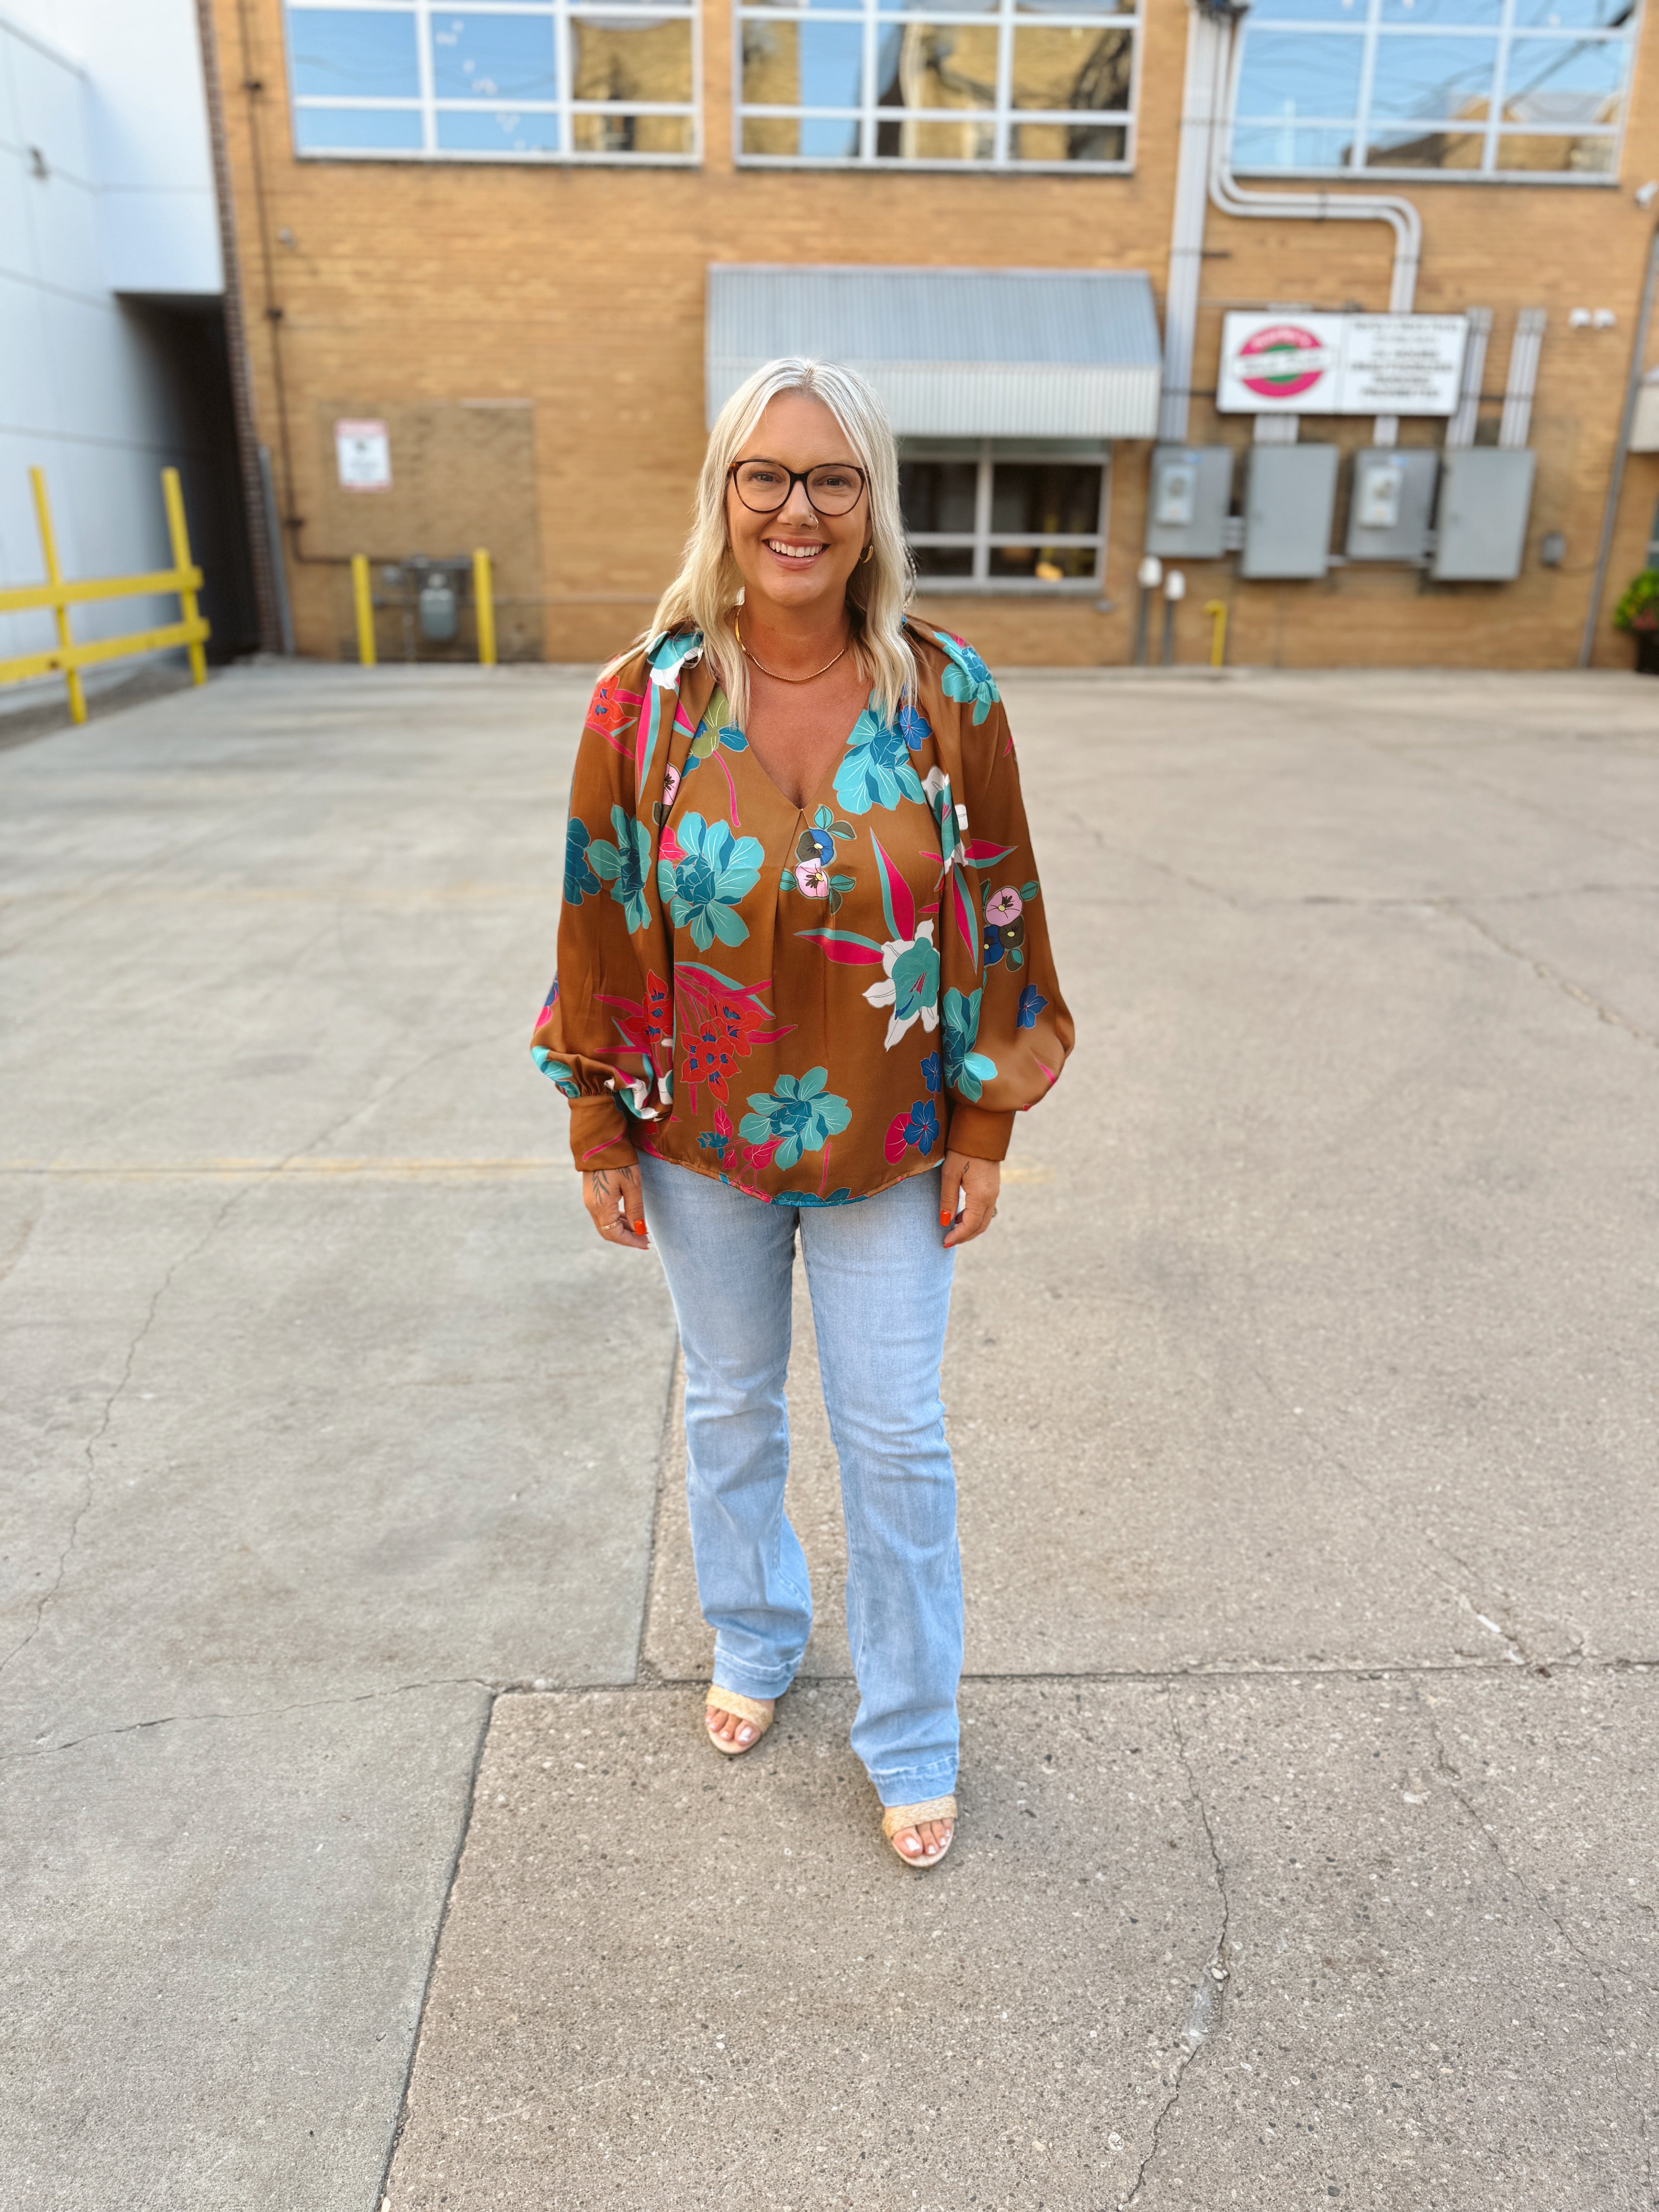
(803, 986)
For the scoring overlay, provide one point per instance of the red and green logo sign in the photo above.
(1280, 360)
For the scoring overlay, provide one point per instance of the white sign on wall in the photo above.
(1316, 364)
(362, 452)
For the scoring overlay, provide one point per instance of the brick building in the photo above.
(536, 241)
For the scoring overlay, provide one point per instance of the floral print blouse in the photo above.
(807, 1003)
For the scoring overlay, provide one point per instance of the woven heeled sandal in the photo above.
(898, 1818)
(757, 1711)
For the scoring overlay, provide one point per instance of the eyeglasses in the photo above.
(833, 487)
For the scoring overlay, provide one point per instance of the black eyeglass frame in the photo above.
(796, 477)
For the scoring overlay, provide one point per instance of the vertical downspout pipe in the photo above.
(1205, 39)
(275, 635)
(1621, 453)
(1459, 430)
(1522, 381)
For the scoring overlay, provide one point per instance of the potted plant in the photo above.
(1638, 611)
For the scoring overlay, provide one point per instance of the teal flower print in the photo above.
(579, 880)
(713, 871)
(965, 1070)
(910, 985)
(876, 769)
(624, 865)
(557, 1071)
(967, 679)
(797, 1115)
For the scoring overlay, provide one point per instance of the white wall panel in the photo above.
(83, 394)
(49, 104)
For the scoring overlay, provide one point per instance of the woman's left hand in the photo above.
(978, 1183)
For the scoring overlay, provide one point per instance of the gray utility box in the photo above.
(1392, 510)
(1191, 490)
(1486, 496)
(1287, 511)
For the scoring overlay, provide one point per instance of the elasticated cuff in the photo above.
(978, 1132)
(600, 1135)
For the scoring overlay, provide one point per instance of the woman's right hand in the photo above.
(613, 1197)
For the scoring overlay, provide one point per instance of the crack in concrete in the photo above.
(463, 1829)
(351, 1113)
(256, 1713)
(1452, 1776)
(1161, 868)
(1542, 969)
(1207, 2012)
(90, 1488)
(17, 1250)
(1334, 1462)
(541, 1686)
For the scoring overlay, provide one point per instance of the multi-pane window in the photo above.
(1026, 84)
(1020, 516)
(519, 81)
(1469, 88)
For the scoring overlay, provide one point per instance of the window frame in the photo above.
(875, 16)
(986, 453)
(427, 104)
(1491, 130)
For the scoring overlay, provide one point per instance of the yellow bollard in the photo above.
(363, 600)
(78, 696)
(483, 592)
(180, 536)
(1216, 611)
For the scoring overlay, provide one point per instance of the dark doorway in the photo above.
(186, 341)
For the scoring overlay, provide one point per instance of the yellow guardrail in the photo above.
(68, 658)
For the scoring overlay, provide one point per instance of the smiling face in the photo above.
(796, 561)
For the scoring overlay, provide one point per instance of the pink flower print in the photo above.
(1004, 906)
(670, 784)
(670, 849)
(813, 880)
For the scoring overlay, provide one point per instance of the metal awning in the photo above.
(979, 353)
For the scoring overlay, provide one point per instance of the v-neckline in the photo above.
(816, 798)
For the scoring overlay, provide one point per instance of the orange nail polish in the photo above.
(944, 1219)
(639, 1229)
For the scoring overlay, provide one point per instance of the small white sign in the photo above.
(1403, 364)
(363, 454)
(1315, 364)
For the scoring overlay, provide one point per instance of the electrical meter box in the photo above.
(1191, 490)
(1288, 507)
(1392, 509)
(1486, 496)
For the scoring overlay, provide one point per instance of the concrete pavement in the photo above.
(1302, 1402)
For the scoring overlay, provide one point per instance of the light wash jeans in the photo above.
(880, 1282)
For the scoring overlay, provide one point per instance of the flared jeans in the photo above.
(880, 1283)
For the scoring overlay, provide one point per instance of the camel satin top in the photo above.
(806, 1003)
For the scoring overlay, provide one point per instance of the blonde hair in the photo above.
(704, 594)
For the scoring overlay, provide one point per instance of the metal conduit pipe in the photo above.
(1214, 54)
(1187, 226)
(1400, 214)
(1232, 198)
(1639, 354)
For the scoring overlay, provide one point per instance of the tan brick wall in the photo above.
(580, 293)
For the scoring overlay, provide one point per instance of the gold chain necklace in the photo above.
(773, 673)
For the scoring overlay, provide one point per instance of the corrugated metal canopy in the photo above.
(982, 353)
